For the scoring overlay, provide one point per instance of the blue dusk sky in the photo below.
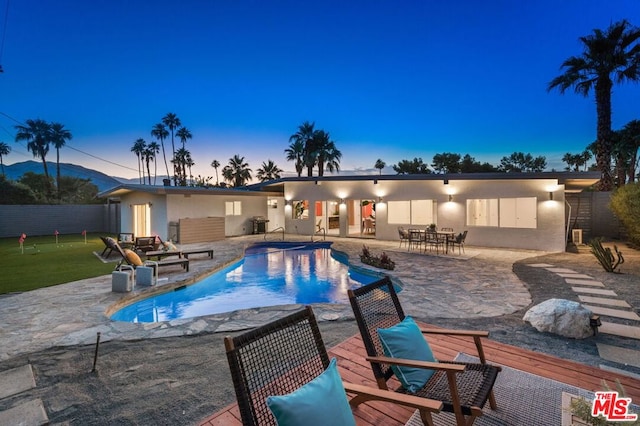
(387, 79)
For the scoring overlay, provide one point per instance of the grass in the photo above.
(45, 263)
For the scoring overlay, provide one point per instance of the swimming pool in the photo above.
(269, 274)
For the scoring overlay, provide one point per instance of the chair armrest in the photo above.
(476, 334)
(367, 393)
(456, 368)
(472, 333)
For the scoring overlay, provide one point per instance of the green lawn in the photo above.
(45, 263)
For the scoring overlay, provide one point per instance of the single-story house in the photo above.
(510, 210)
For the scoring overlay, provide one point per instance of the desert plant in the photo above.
(383, 261)
(605, 256)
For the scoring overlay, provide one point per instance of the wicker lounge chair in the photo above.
(138, 262)
(462, 387)
(280, 357)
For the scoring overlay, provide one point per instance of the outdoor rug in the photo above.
(523, 399)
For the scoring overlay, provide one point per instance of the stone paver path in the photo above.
(593, 299)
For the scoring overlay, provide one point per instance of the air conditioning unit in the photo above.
(576, 236)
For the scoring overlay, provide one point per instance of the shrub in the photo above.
(625, 203)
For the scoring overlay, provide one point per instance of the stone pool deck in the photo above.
(479, 283)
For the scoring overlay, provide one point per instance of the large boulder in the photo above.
(559, 316)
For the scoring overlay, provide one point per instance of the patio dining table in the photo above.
(448, 236)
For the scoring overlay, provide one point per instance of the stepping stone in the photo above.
(620, 355)
(619, 371)
(16, 380)
(601, 292)
(29, 413)
(566, 275)
(561, 270)
(630, 331)
(613, 312)
(540, 265)
(604, 301)
(584, 282)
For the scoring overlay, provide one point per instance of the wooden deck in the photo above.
(354, 369)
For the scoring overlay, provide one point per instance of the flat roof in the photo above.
(573, 181)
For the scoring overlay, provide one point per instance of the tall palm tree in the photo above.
(237, 171)
(4, 150)
(36, 134)
(190, 163)
(326, 152)
(160, 132)
(268, 171)
(149, 155)
(59, 137)
(295, 153)
(183, 133)
(305, 135)
(380, 165)
(154, 150)
(138, 149)
(172, 122)
(215, 164)
(608, 55)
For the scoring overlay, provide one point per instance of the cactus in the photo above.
(605, 256)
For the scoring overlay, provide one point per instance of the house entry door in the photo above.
(141, 220)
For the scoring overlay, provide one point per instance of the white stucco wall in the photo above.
(548, 235)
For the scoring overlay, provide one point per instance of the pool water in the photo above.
(266, 276)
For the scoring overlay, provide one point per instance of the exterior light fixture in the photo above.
(595, 322)
(551, 195)
(380, 200)
(450, 197)
(375, 181)
(343, 201)
(446, 181)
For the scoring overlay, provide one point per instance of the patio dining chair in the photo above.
(272, 365)
(392, 347)
(433, 240)
(458, 241)
(404, 236)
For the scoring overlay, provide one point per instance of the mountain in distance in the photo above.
(99, 179)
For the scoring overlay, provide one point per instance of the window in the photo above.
(414, 212)
(300, 209)
(518, 212)
(504, 212)
(233, 208)
(482, 212)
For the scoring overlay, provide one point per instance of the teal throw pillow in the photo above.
(320, 402)
(405, 340)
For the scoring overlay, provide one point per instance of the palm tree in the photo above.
(295, 152)
(36, 134)
(190, 163)
(160, 132)
(183, 133)
(138, 149)
(4, 150)
(380, 165)
(59, 136)
(149, 155)
(305, 135)
(215, 164)
(611, 53)
(268, 171)
(172, 122)
(237, 171)
(326, 152)
(154, 150)
(181, 159)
